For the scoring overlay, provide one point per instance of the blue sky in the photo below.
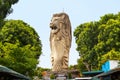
(38, 14)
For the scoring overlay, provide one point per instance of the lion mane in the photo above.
(60, 41)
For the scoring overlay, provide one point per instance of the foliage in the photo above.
(20, 47)
(69, 76)
(97, 40)
(119, 64)
(73, 67)
(38, 72)
(5, 7)
(81, 65)
(85, 36)
(52, 76)
(112, 55)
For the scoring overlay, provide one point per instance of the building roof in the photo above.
(92, 72)
(109, 72)
(4, 71)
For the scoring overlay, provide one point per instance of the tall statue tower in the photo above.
(60, 41)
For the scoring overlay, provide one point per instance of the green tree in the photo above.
(73, 67)
(52, 76)
(39, 70)
(86, 38)
(5, 7)
(69, 76)
(108, 39)
(81, 65)
(20, 47)
(98, 40)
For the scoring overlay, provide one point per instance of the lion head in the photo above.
(54, 25)
(60, 25)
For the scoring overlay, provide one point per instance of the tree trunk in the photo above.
(88, 66)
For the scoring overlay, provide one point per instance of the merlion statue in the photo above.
(60, 41)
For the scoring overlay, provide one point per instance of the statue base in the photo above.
(63, 75)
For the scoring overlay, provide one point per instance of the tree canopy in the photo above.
(20, 46)
(5, 7)
(98, 41)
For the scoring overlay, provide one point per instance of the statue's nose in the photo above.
(51, 25)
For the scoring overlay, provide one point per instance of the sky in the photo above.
(38, 14)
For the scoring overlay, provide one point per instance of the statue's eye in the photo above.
(55, 19)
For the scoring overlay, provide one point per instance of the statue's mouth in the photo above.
(53, 27)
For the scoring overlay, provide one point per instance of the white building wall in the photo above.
(113, 64)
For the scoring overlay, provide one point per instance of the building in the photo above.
(9, 74)
(111, 70)
(109, 65)
(113, 74)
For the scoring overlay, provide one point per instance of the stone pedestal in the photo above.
(61, 76)
(64, 75)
